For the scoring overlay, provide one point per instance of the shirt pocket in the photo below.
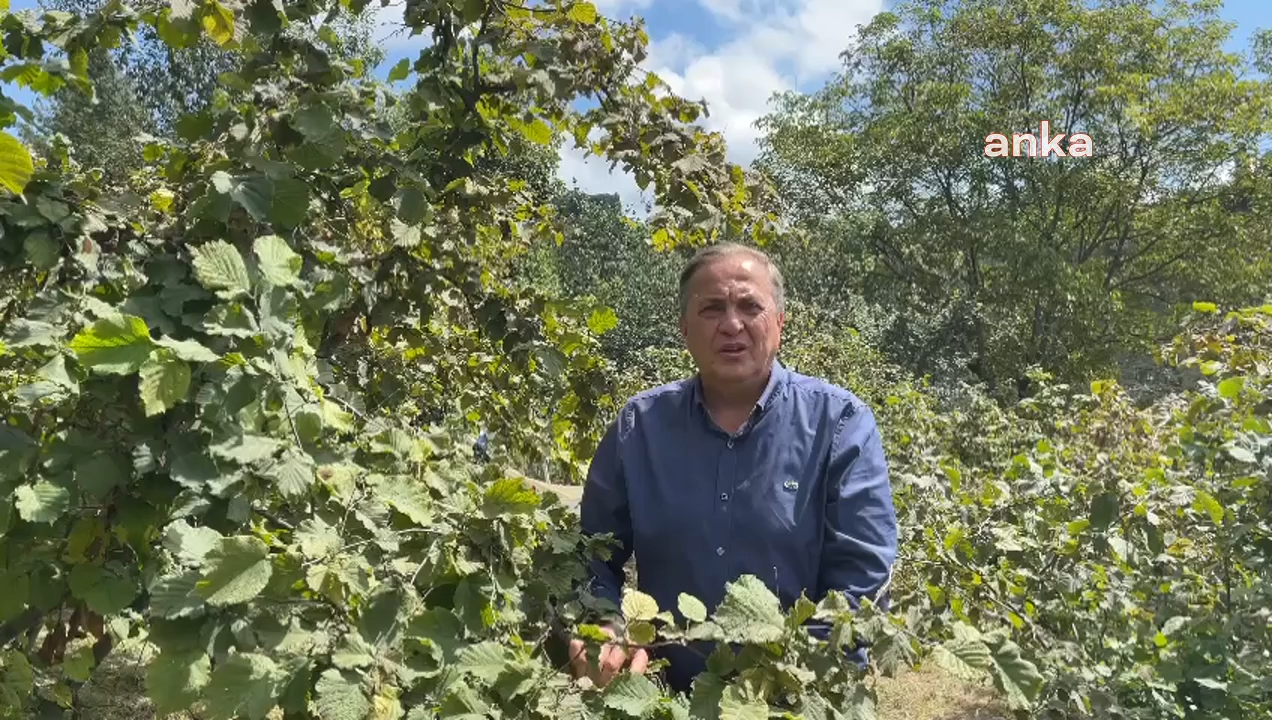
(781, 494)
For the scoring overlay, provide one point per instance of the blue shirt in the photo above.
(798, 497)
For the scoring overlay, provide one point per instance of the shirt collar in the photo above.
(777, 378)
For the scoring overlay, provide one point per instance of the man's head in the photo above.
(732, 311)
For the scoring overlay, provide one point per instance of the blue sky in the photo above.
(735, 54)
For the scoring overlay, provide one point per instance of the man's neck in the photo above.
(733, 398)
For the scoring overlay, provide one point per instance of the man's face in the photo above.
(731, 325)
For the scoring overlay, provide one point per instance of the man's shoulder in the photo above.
(666, 395)
(834, 398)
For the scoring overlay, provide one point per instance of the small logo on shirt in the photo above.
(791, 485)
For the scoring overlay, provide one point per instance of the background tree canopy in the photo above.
(257, 299)
(995, 266)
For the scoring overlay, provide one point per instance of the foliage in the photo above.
(239, 387)
(1004, 264)
(1128, 547)
(145, 85)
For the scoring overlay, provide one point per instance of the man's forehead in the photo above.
(730, 289)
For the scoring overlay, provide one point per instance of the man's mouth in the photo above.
(732, 350)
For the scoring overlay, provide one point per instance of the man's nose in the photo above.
(732, 321)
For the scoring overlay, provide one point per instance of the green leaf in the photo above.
(114, 345)
(413, 207)
(164, 381)
(188, 350)
(40, 250)
(802, 612)
(105, 592)
(537, 132)
(293, 473)
(17, 680)
(441, 628)
(174, 596)
(704, 700)
(1205, 307)
(243, 687)
(509, 496)
(400, 71)
(1017, 678)
(256, 196)
(174, 680)
(632, 694)
(339, 696)
(964, 658)
(405, 236)
(219, 267)
(316, 122)
(1240, 454)
(238, 570)
(736, 705)
(15, 164)
(222, 181)
(692, 608)
(1104, 510)
(602, 321)
(409, 498)
(583, 13)
(79, 662)
(750, 612)
(190, 544)
(639, 606)
(42, 502)
(485, 660)
(353, 652)
(1204, 501)
(246, 449)
(278, 263)
(218, 21)
(1230, 388)
(289, 204)
(641, 632)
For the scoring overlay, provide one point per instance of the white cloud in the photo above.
(771, 46)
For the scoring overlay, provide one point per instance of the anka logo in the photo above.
(1041, 145)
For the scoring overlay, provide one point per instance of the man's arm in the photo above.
(603, 510)
(860, 543)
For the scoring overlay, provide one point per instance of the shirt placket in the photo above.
(726, 486)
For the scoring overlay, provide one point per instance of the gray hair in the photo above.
(718, 251)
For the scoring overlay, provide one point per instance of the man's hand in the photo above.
(612, 659)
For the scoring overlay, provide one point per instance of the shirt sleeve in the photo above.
(860, 543)
(604, 510)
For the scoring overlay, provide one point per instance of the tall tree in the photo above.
(1008, 262)
(607, 256)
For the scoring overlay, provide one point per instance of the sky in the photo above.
(734, 54)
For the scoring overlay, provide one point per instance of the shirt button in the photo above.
(724, 497)
(730, 444)
(719, 551)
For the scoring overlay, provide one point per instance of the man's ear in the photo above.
(684, 329)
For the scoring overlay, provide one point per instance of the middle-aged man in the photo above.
(746, 468)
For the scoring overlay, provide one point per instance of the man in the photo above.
(746, 468)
